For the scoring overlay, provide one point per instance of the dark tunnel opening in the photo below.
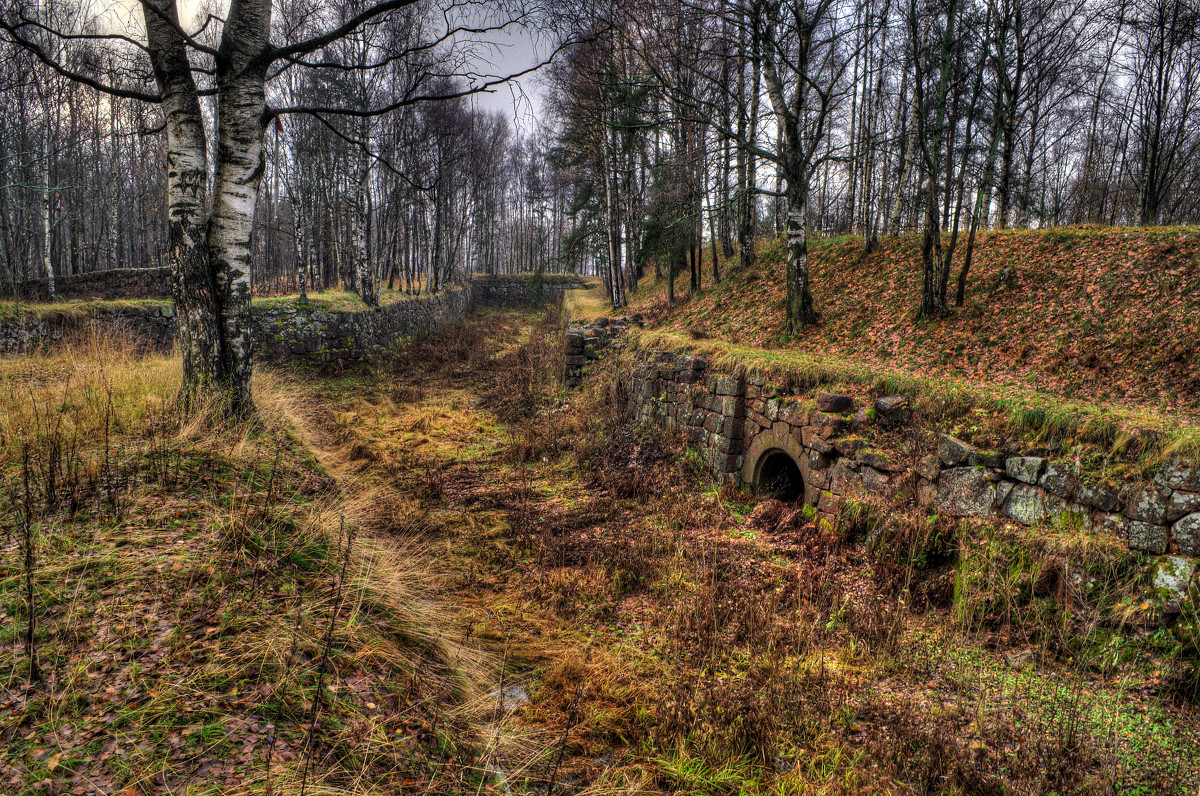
(779, 476)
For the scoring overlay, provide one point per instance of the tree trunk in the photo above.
(982, 196)
(747, 167)
(612, 224)
(303, 244)
(800, 311)
(187, 198)
(241, 77)
(934, 267)
(904, 167)
(367, 278)
(47, 228)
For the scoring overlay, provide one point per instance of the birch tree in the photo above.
(805, 60)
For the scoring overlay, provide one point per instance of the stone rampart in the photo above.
(826, 449)
(150, 328)
(586, 341)
(118, 283)
(289, 332)
(294, 333)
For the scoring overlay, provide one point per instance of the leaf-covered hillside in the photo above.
(1111, 314)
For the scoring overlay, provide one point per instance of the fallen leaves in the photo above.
(1094, 307)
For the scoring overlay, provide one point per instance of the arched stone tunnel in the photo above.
(779, 476)
(774, 463)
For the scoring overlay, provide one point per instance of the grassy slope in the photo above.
(10, 311)
(333, 300)
(196, 586)
(1097, 336)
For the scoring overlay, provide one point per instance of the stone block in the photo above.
(850, 446)
(953, 451)
(1026, 469)
(1145, 503)
(818, 461)
(966, 492)
(929, 467)
(1171, 578)
(1181, 503)
(827, 425)
(727, 385)
(1178, 474)
(1060, 478)
(1103, 496)
(810, 438)
(876, 482)
(834, 402)
(829, 502)
(732, 427)
(880, 461)
(1186, 533)
(726, 444)
(992, 460)
(845, 481)
(726, 462)
(1148, 536)
(1030, 505)
(888, 405)
(793, 413)
(1116, 524)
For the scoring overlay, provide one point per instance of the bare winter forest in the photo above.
(656, 125)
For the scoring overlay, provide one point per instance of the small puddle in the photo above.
(510, 698)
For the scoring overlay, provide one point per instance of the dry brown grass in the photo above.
(233, 518)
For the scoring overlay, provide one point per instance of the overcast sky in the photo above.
(520, 99)
(508, 52)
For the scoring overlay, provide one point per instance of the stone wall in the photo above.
(119, 283)
(291, 333)
(520, 289)
(586, 341)
(743, 428)
(150, 328)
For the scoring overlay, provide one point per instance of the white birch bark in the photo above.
(367, 278)
(47, 231)
(241, 78)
